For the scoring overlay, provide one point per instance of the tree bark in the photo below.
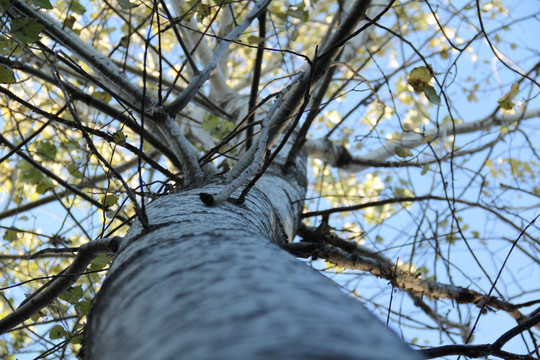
(211, 283)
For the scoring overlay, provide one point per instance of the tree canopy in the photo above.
(419, 122)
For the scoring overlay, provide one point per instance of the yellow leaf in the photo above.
(419, 77)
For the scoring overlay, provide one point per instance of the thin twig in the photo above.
(256, 77)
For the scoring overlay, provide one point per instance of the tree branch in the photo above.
(140, 212)
(338, 156)
(184, 151)
(256, 77)
(198, 80)
(317, 69)
(54, 288)
(88, 99)
(105, 136)
(109, 73)
(353, 256)
(250, 161)
(494, 349)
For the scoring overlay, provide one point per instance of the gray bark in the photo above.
(211, 283)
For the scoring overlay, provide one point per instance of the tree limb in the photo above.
(104, 67)
(184, 151)
(317, 69)
(54, 288)
(198, 80)
(356, 257)
(88, 99)
(338, 156)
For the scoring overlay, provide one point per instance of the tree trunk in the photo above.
(210, 283)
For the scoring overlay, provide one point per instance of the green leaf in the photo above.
(102, 95)
(506, 101)
(119, 137)
(46, 150)
(11, 235)
(69, 22)
(4, 4)
(100, 262)
(6, 75)
(44, 185)
(37, 316)
(29, 174)
(77, 339)
(255, 39)
(58, 332)
(10, 48)
(74, 171)
(126, 4)
(109, 200)
(298, 12)
(26, 30)
(203, 11)
(210, 123)
(216, 126)
(44, 4)
(403, 152)
(73, 295)
(425, 169)
(83, 307)
(111, 214)
(77, 7)
(431, 95)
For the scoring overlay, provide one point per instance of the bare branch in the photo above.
(316, 70)
(250, 162)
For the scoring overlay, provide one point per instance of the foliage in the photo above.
(435, 104)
